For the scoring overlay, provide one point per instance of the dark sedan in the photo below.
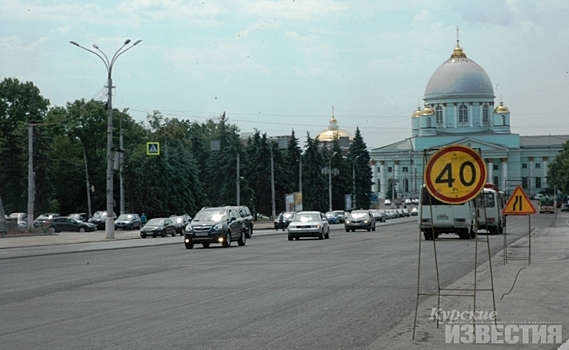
(65, 223)
(158, 226)
(180, 221)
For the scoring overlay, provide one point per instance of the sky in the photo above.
(277, 66)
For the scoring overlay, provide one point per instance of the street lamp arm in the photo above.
(94, 53)
(119, 52)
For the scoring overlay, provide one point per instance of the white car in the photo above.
(308, 224)
(387, 202)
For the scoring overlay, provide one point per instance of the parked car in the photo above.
(379, 215)
(341, 215)
(21, 219)
(333, 217)
(564, 207)
(66, 223)
(215, 225)
(79, 216)
(40, 220)
(406, 212)
(414, 212)
(128, 222)
(158, 226)
(283, 220)
(407, 201)
(100, 219)
(360, 219)
(387, 202)
(180, 221)
(308, 224)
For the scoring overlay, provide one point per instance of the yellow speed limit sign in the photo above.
(455, 174)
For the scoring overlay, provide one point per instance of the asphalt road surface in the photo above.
(339, 293)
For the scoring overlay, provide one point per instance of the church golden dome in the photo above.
(427, 111)
(501, 109)
(333, 132)
(417, 113)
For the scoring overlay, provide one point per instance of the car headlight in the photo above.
(348, 221)
(218, 227)
(189, 228)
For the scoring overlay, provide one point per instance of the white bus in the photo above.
(491, 202)
(436, 217)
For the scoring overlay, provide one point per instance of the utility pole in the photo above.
(31, 184)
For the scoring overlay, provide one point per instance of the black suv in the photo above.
(100, 219)
(215, 225)
(247, 218)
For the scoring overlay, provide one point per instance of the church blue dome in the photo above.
(459, 77)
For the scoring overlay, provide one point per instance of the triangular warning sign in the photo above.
(519, 204)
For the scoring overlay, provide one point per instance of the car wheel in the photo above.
(154, 235)
(297, 238)
(189, 245)
(373, 228)
(243, 239)
(81, 229)
(143, 235)
(205, 245)
(347, 230)
(227, 241)
(289, 237)
(174, 233)
(321, 235)
(163, 233)
(353, 230)
(250, 233)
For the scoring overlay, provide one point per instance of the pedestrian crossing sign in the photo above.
(519, 204)
(153, 148)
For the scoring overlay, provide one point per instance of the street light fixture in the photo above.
(110, 225)
(86, 176)
(354, 205)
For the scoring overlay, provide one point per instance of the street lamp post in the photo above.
(330, 180)
(86, 176)
(354, 205)
(273, 209)
(110, 225)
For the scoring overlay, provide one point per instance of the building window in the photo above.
(405, 169)
(389, 169)
(378, 169)
(463, 114)
(538, 182)
(496, 181)
(428, 122)
(496, 167)
(524, 165)
(439, 114)
(537, 165)
(524, 182)
(485, 113)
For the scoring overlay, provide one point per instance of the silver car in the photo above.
(308, 224)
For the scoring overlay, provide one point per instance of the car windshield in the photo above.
(307, 217)
(358, 214)
(126, 217)
(155, 222)
(178, 219)
(99, 214)
(211, 215)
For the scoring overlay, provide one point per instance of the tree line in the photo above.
(187, 174)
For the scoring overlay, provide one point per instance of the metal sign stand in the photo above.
(453, 292)
(505, 247)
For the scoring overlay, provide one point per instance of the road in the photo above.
(340, 293)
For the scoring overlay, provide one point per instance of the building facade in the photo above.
(459, 108)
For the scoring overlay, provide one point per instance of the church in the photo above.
(459, 108)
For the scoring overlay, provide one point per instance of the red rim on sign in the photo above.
(455, 174)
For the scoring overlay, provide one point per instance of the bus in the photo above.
(546, 204)
(490, 203)
(436, 217)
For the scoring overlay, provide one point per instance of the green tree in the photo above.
(21, 104)
(558, 171)
(363, 171)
